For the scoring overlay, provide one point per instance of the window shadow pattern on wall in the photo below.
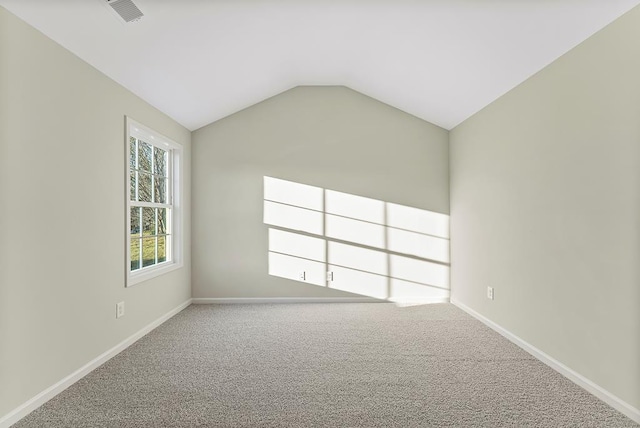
(356, 244)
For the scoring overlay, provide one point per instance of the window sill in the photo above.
(143, 275)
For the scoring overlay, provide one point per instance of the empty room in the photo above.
(277, 213)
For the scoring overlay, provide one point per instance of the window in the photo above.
(153, 204)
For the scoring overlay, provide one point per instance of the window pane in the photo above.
(135, 254)
(160, 194)
(132, 153)
(162, 252)
(148, 221)
(135, 221)
(144, 187)
(162, 221)
(159, 161)
(148, 252)
(144, 156)
(132, 184)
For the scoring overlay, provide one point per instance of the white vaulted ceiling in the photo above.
(440, 60)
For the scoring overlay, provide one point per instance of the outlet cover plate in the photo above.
(119, 310)
(490, 293)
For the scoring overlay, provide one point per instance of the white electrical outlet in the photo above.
(329, 276)
(490, 293)
(302, 276)
(119, 310)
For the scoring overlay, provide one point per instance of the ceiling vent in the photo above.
(126, 9)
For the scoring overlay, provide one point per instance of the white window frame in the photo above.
(148, 135)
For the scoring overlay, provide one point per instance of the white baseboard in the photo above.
(591, 387)
(418, 302)
(46, 395)
(236, 300)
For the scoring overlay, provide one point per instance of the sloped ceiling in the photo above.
(201, 60)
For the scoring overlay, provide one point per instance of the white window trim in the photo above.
(137, 130)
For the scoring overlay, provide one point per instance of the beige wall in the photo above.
(62, 214)
(330, 137)
(545, 202)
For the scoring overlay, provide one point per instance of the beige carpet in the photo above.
(324, 365)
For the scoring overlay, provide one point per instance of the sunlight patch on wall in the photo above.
(290, 267)
(294, 244)
(355, 207)
(359, 232)
(288, 192)
(294, 218)
(356, 244)
(417, 220)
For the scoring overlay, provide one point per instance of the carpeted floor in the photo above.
(324, 365)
